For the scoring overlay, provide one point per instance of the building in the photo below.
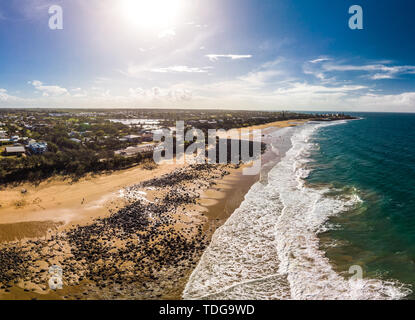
(29, 141)
(132, 151)
(5, 141)
(15, 150)
(38, 147)
(133, 138)
(147, 137)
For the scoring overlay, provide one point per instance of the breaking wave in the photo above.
(269, 247)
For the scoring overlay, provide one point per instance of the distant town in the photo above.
(37, 143)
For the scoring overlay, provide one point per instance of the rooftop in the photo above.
(15, 149)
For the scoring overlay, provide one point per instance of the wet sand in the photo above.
(32, 229)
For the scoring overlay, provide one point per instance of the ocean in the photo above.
(334, 219)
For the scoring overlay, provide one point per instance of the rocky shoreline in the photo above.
(143, 250)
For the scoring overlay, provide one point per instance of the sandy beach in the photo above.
(183, 206)
(183, 220)
(58, 201)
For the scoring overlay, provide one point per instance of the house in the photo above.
(147, 137)
(29, 141)
(15, 150)
(38, 147)
(132, 151)
(133, 138)
(75, 140)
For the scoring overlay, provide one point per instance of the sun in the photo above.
(151, 13)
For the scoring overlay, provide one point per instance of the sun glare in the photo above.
(151, 13)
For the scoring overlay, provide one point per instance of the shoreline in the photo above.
(204, 216)
(60, 201)
(216, 204)
(276, 251)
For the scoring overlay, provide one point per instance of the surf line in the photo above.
(238, 284)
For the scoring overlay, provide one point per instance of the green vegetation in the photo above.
(90, 141)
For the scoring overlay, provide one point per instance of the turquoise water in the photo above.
(375, 159)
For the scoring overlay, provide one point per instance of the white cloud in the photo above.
(185, 69)
(260, 78)
(216, 57)
(138, 70)
(305, 88)
(100, 92)
(268, 73)
(180, 95)
(5, 97)
(318, 74)
(170, 33)
(375, 71)
(301, 96)
(137, 92)
(134, 69)
(78, 93)
(100, 80)
(319, 60)
(402, 102)
(258, 89)
(276, 84)
(49, 90)
(326, 69)
(380, 76)
(156, 93)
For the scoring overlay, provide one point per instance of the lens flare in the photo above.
(151, 13)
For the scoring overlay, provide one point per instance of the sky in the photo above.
(218, 54)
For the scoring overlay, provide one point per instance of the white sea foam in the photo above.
(269, 248)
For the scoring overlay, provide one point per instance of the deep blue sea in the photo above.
(374, 158)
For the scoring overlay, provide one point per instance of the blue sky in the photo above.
(236, 54)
